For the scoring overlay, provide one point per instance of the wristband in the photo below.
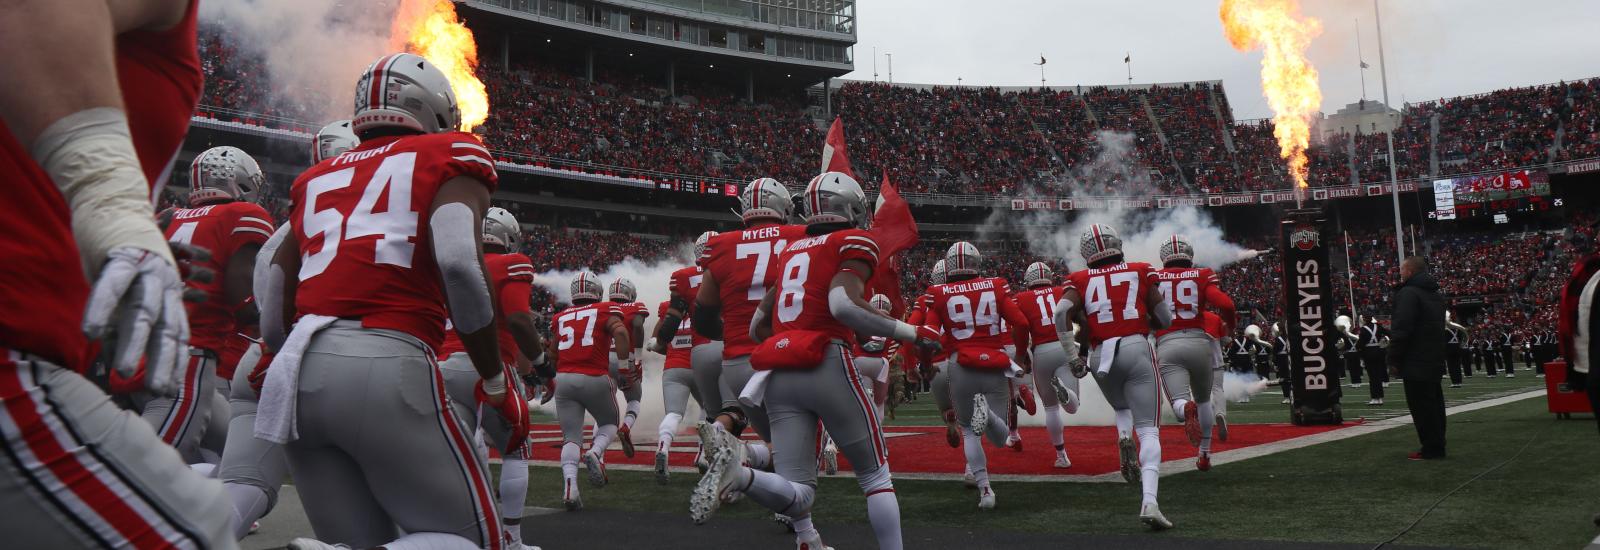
(495, 385)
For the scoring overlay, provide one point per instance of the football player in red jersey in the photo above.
(629, 372)
(736, 265)
(1184, 348)
(511, 275)
(939, 384)
(705, 357)
(589, 333)
(1118, 305)
(1050, 364)
(815, 310)
(970, 309)
(70, 151)
(383, 238)
(871, 356)
(677, 386)
(1217, 332)
(253, 469)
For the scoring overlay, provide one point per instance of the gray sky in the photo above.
(1434, 48)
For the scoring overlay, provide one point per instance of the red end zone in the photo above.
(922, 450)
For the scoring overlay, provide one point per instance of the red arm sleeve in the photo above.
(1020, 329)
(1221, 301)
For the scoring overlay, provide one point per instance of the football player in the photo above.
(1184, 348)
(383, 238)
(511, 276)
(939, 385)
(97, 100)
(969, 309)
(1038, 304)
(591, 332)
(677, 386)
(705, 357)
(1118, 305)
(817, 297)
(629, 372)
(1217, 330)
(736, 265)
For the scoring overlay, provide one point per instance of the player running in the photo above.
(806, 325)
(969, 309)
(1184, 348)
(511, 276)
(382, 239)
(705, 357)
(629, 371)
(939, 385)
(677, 386)
(1217, 331)
(1118, 304)
(1038, 304)
(589, 333)
(737, 264)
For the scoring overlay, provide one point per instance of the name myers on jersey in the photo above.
(1308, 284)
(969, 286)
(356, 156)
(767, 232)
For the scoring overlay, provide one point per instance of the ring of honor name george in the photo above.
(1309, 309)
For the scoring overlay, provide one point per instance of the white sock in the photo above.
(883, 511)
(249, 504)
(803, 525)
(1124, 423)
(669, 427)
(775, 493)
(977, 462)
(1150, 461)
(513, 487)
(570, 452)
(757, 455)
(431, 541)
(631, 415)
(1178, 406)
(602, 439)
(1053, 425)
(998, 430)
(1208, 422)
(205, 468)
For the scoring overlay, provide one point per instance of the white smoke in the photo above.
(312, 50)
(650, 280)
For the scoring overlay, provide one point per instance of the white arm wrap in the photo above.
(1162, 313)
(90, 157)
(455, 248)
(266, 284)
(757, 320)
(866, 322)
(1064, 333)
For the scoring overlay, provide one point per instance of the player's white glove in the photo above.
(139, 295)
(1079, 367)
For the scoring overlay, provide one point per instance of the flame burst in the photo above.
(430, 28)
(1287, 77)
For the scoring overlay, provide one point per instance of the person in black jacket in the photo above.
(1417, 342)
(1370, 343)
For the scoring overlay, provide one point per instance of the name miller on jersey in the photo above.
(969, 286)
(1310, 337)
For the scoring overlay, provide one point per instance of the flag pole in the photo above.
(1361, 57)
(1394, 177)
(1127, 59)
(1349, 274)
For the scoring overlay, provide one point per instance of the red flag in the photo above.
(895, 231)
(834, 158)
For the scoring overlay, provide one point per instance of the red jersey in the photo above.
(1039, 306)
(512, 277)
(1213, 324)
(684, 285)
(974, 313)
(222, 229)
(583, 344)
(631, 313)
(682, 342)
(805, 271)
(361, 219)
(158, 71)
(742, 264)
(1113, 299)
(1187, 291)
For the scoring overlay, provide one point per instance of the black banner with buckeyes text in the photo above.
(1309, 304)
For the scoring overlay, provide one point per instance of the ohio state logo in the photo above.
(1304, 238)
(784, 343)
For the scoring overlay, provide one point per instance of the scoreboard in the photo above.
(1498, 196)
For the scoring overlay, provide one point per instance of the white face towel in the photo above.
(275, 414)
(755, 389)
(1108, 352)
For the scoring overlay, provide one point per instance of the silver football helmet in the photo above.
(836, 198)
(586, 287)
(882, 303)
(501, 228)
(937, 275)
(1176, 248)
(622, 290)
(766, 199)
(1098, 243)
(405, 90)
(962, 259)
(224, 173)
(701, 242)
(1038, 274)
(335, 138)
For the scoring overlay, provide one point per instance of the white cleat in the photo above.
(788, 522)
(718, 481)
(971, 481)
(985, 498)
(1065, 396)
(980, 414)
(813, 542)
(1062, 462)
(662, 475)
(1150, 514)
(303, 543)
(830, 459)
(1129, 459)
(255, 526)
(1222, 427)
(570, 496)
(708, 438)
(596, 468)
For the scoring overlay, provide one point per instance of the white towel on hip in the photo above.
(1108, 353)
(275, 415)
(755, 389)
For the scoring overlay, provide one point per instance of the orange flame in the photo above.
(430, 28)
(1287, 77)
